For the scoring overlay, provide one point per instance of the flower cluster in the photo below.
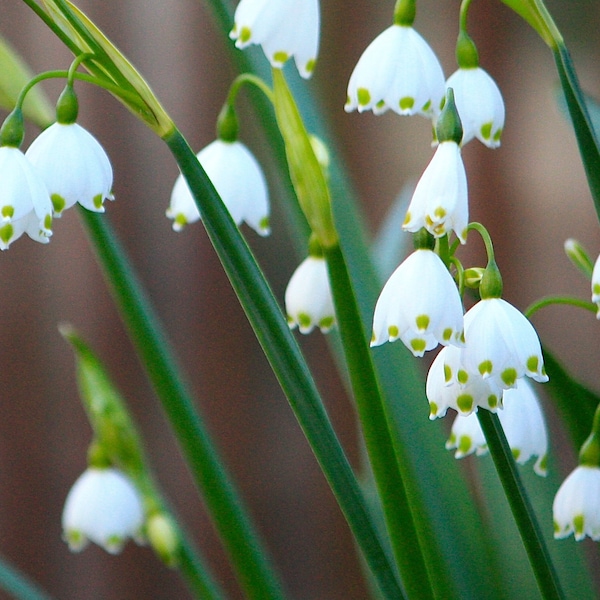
(64, 165)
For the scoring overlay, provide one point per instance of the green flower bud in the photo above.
(163, 536)
(449, 127)
(473, 276)
(579, 257)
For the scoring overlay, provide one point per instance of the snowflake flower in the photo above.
(398, 70)
(284, 28)
(74, 167)
(308, 300)
(102, 506)
(238, 179)
(596, 286)
(419, 304)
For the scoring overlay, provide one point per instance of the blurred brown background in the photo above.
(531, 194)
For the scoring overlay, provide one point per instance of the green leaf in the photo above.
(18, 585)
(536, 14)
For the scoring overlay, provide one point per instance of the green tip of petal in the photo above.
(556, 528)
(97, 201)
(485, 368)
(579, 525)
(509, 376)
(407, 219)
(426, 107)
(8, 212)
(492, 401)
(48, 222)
(265, 225)
(179, 222)
(462, 376)
(363, 96)
(291, 322)
(465, 403)
(596, 289)
(516, 452)
(393, 332)
(447, 334)
(310, 65)
(433, 410)
(497, 135)
(422, 322)
(543, 464)
(58, 203)
(326, 324)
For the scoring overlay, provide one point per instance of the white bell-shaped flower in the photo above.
(102, 506)
(576, 507)
(501, 344)
(480, 105)
(398, 70)
(419, 304)
(284, 28)
(523, 422)
(440, 200)
(25, 204)
(238, 179)
(450, 386)
(74, 167)
(596, 286)
(308, 300)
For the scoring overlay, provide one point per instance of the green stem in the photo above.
(550, 300)
(192, 567)
(405, 518)
(286, 360)
(521, 508)
(229, 516)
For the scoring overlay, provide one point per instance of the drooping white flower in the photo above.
(398, 70)
(576, 507)
(25, 204)
(308, 300)
(448, 385)
(480, 105)
(523, 422)
(419, 304)
(238, 179)
(74, 167)
(501, 344)
(102, 506)
(284, 28)
(596, 285)
(440, 200)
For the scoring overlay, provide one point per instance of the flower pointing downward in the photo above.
(284, 28)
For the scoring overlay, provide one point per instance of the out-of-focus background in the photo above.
(531, 193)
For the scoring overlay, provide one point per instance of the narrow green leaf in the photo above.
(19, 586)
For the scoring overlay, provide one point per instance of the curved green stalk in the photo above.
(229, 516)
(521, 508)
(18, 585)
(422, 569)
(286, 360)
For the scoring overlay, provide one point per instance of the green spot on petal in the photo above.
(363, 96)
(543, 466)
(447, 334)
(380, 104)
(304, 320)
(245, 35)
(492, 401)
(280, 56)
(310, 65)
(486, 131)
(533, 364)
(418, 345)
(464, 445)
(406, 103)
(97, 201)
(426, 106)
(509, 376)
(451, 443)
(596, 288)
(439, 213)
(407, 219)
(498, 135)
(433, 409)
(179, 222)
(264, 224)
(485, 367)
(393, 331)
(422, 322)
(48, 222)
(465, 403)
(579, 525)
(326, 324)
(58, 203)
(8, 212)
(6, 233)
(462, 376)
(447, 373)
(516, 452)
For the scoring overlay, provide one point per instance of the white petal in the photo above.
(596, 285)
(308, 300)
